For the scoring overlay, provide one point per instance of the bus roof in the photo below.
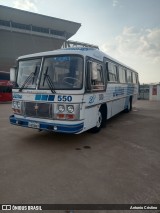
(85, 51)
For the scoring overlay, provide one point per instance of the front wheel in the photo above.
(99, 122)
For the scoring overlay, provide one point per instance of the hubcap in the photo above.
(99, 121)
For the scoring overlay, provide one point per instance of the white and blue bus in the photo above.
(70, 90)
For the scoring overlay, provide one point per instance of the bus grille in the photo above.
(40, 110)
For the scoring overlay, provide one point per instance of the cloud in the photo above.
(143, 43)
(29, 5)
(115, 3)
(151, 44)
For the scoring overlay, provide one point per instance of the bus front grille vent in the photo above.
(36, 109)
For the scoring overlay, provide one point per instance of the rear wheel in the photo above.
(129, 106)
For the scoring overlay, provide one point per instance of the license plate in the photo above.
(33, 125)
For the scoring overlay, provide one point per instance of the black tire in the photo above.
(129, 106)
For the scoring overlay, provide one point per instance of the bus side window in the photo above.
(112, 72)
(134, 77)
(129, 76)
(107, 72)
(97, 77)
(137, 80)
(88, 76)
(122, 75)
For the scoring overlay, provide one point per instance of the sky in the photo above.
(127, 30)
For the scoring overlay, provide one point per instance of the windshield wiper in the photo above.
(32, 75)
(49, 81)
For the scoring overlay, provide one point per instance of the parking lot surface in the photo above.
(118, 165)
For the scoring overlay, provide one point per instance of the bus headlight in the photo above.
(17, 107)
(61, 108)
(16, 104)
(19, 104)
(66, 111)
(70, 108)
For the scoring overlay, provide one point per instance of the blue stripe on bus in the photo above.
(40, 97)
(44, 97)
(51, 97)
(64, 128)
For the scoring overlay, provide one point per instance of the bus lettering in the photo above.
(17, 96)
(92, 99)
(64, 98)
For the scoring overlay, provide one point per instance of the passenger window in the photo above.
(112, 72)
(129, 76)
(137, 81)
(134, 78)
(122, 75)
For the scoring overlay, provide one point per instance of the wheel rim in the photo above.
(99, 121)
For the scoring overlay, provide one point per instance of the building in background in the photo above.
(144, 91)
(154, 94)
(23, 32)
(149, 92)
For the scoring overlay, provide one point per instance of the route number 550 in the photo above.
(64, 98)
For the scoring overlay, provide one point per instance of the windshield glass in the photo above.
(64, 72)
(27, 73)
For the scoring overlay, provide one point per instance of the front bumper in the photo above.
(56, 127)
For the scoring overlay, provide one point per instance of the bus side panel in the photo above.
(109, 110)
(118, 106)
(90, 117)
(92, 102)
(116, 98)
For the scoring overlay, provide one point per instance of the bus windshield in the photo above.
(27, 73)
(62, 72)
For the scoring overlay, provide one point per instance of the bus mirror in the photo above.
(12, 74)
(94, 71)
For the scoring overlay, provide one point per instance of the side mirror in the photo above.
(94, 71)
(12, 74)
